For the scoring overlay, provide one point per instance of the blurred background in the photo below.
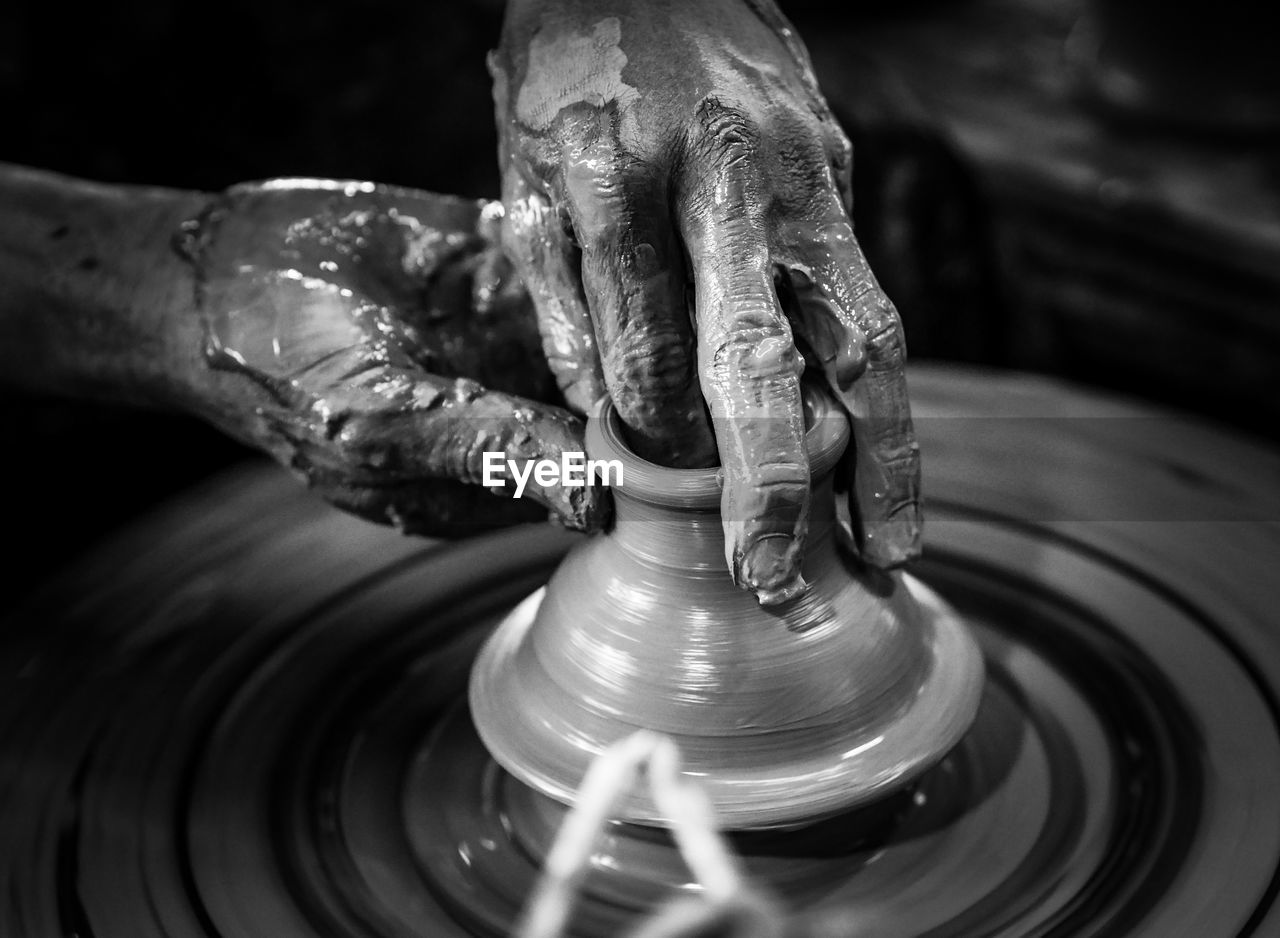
(1089, 190)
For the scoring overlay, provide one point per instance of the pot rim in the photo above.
(825, 441)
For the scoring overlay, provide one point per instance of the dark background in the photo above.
(206, 95)
(201, 96)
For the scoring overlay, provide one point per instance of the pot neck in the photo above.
(692, 540)
(671, 517)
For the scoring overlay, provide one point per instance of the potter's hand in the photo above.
(653, 146)
(396, 347)
(367, 337)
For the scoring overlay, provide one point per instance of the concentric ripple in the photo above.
(246, 719)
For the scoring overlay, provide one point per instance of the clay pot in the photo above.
(786, 714)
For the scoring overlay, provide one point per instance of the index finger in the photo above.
(748, 365)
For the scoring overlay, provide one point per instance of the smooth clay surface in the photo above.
(785, 713)
(246, 717)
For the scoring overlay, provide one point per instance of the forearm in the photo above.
(94, 301)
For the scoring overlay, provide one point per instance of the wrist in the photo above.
(94, 302)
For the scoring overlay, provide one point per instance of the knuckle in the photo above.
(457, 450)
(789, 476)
(800, 139)
(589, 181)
(748, 255)
(897, 451)
(807, 189)
(726, 129)
(883, 330)
(757, 346)
(652, 359)
(600, 195)
(756, 315)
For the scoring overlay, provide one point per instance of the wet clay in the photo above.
(252, 721)
(394, 346)
(819, 702)
(680, 193)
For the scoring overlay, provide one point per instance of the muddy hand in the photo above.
(391, 347)
(656, 148)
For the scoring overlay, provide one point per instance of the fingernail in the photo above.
(788, 592)
(770, 568)
(893, 541)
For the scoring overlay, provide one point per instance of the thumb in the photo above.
(433, 429)
(527, 446)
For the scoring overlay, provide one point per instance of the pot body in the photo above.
(784, 713)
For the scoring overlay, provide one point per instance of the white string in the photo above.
(679, 798)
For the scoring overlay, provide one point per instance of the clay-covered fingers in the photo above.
(633, 276)
(749, 366)
(396, 443)
(535, 239)
(322, 318)
(854, 331)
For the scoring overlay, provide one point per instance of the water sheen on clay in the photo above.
(823, 700)
(393, 343)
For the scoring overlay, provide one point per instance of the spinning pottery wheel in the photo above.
(785, 715)
(248, 716)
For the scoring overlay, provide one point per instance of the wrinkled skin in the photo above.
(373, 339)
(677, 201)
(393, 346)
(676, 196)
